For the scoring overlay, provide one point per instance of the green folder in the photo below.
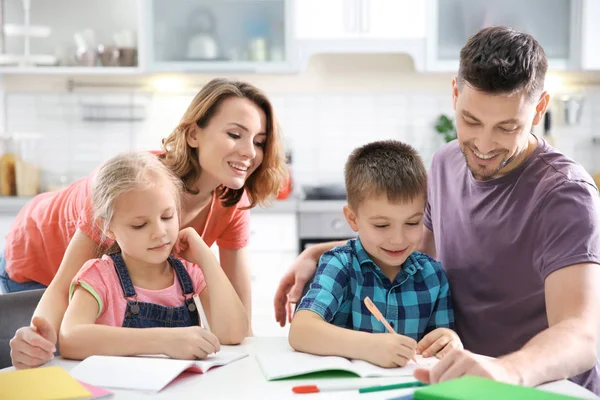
(476, 388)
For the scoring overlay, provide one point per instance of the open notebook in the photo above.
(294, 364)
(146, 373)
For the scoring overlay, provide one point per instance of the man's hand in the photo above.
(291, 286)
(458, 363)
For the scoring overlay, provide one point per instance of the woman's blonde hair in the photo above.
(139, 170)
(182, 159)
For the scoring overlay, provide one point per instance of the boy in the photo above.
(386, 185)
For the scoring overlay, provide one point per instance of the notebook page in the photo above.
(216, 360)
(288, 364)
(136, 373)
(367, 369)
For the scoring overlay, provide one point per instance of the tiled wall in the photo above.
(78, 130)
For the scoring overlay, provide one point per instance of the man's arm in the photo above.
(568, 347)
(428, 243)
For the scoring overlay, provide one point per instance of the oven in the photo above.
(322, 221)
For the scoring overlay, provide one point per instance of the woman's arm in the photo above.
(225, 312)
(81, 337)
(54, 302)
(235, 266)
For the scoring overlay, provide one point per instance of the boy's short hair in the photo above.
(501, 60)
(386, 167)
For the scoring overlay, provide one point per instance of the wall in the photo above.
(339, 102)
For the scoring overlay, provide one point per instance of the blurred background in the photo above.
(81, 80)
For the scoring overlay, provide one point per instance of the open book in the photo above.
(293, 364)
(146, 373)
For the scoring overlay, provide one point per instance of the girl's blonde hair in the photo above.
(139, 170)
(182, 159)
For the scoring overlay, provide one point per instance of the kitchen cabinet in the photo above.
(352, 19)
(360, 26)
(106, 30)
(218, 35)
(272, 249)
(556, 24)
(5, 222)
(590, 40)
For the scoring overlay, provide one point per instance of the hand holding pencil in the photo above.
(389, 350)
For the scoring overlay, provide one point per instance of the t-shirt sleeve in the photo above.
(91, 278)
(568, 230)
(328, 289)
(237, 233)
(427, 218)
(196, 275)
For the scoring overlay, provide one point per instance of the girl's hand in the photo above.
(190, 245)
(192, 342)
(439, 342)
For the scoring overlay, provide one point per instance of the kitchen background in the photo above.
(82, 80)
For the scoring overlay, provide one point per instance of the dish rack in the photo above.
(27, 31)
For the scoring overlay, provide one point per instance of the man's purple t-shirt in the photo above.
(498, 240)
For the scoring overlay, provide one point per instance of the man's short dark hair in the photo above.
(500, 60)
(387, 167)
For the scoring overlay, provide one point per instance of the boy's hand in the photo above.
(390, 350)
(190, 343)
(190, 245)
(438, 343)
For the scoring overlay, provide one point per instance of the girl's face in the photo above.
(231, 146)
(145, 223)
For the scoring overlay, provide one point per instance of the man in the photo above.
(515, 224)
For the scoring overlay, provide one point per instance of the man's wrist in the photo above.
(511, 365)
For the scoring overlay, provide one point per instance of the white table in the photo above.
(243, 379)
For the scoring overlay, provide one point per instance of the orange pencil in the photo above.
(377, 314)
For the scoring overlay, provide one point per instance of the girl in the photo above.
(228, 154)
(135, 199)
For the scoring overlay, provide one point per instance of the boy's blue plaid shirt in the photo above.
(415, 303)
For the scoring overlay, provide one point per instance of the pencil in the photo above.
(377, 314)
(391, 387)
(203, 319)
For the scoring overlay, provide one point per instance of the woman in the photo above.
(226, 150)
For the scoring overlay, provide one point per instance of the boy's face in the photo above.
(494, 129)
(389, 232)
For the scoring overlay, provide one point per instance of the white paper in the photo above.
(288, 364)
(143, 373)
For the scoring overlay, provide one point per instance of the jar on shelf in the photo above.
(8, 183)
(27, 170)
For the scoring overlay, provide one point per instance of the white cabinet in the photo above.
(5, 222)
(393, 19)
(360, 26)
(556, 24)
(590, 39)
(352, 19)
(218, 35)
(272, 249)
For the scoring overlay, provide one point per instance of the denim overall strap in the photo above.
(123, 274)
(184, 278)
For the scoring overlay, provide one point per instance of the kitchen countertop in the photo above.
(11, 206)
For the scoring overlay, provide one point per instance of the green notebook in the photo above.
(476, 388)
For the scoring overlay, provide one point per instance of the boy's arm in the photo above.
(80, 337)
(309, 333)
